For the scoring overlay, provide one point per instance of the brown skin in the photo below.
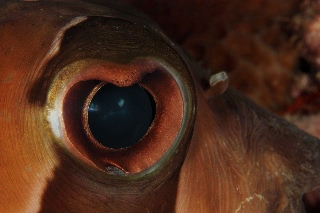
(240, 157)
(244, 158)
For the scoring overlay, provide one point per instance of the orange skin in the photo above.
(232, 157)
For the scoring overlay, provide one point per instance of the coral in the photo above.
(255, 41)
(270, 48)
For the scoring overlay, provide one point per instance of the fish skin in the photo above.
(241, 157)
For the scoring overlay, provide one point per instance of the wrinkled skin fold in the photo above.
(232, 157)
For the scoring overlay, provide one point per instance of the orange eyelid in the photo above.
(117, 74)
(161, 134)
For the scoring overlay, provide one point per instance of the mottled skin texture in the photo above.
(241, 158)
(252, 159)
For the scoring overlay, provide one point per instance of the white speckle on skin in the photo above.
(249, 199)
(259, 196)
(53, 118)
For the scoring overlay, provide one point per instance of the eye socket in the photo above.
(102, 60)
(118, 117)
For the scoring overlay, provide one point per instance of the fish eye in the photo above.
(123, 102)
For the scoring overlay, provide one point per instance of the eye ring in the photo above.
(163, 74)
(152, 146)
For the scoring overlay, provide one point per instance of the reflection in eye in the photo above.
(119, 117)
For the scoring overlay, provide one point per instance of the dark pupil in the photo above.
(119, 117)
